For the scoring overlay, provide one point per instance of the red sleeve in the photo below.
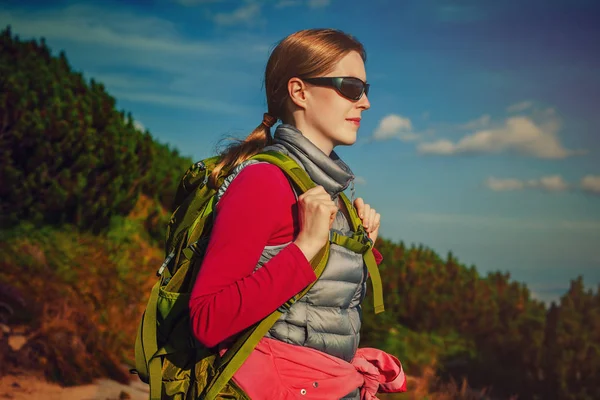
(378, 256)
(258, 209)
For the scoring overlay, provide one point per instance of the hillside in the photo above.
(83, 205)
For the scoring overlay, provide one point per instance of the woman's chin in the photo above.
(347, 141)
(350, 139)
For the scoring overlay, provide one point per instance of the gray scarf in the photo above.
(328, 171)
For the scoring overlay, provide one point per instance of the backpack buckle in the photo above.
(165, 264)
(365, 237)
(369, 241)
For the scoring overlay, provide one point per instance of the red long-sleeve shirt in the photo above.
(257, 210)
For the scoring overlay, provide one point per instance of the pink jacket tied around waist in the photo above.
(277, 370)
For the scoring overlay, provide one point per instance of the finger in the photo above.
(321, 194)
(317, 198)
(359, 204)
(377, 221)
(372, 222)
(312, 192)
(367, 215)
(327, 208)
(333, 212)
(315, 190)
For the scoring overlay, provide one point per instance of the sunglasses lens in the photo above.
(352, 88)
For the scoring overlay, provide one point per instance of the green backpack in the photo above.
(167, 356)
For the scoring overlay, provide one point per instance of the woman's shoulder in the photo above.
(264, 174)
(258, 179)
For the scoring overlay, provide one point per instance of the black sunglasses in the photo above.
(348, 86)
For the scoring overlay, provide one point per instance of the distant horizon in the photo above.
(482, 138)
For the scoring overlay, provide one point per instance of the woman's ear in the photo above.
(297, 92)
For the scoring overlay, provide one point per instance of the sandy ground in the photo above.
(28, 387)
(34, 387)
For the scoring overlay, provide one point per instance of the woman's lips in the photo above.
(355, 121)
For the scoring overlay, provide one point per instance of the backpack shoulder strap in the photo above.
(298, 176)
(362, 243)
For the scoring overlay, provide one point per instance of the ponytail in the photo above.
(241, 150)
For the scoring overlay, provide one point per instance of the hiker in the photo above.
(264, 235)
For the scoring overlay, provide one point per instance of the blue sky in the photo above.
(482, 138)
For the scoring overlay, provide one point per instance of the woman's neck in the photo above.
(317, 138)
(327, 170)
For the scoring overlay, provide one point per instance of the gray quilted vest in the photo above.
(328, 317)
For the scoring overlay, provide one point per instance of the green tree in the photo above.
(66, 154)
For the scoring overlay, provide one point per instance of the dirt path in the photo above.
(29, 387)
(35, 387)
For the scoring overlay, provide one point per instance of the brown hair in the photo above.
(310, 52)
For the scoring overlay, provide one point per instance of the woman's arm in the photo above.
(378, 256)
(256, 210)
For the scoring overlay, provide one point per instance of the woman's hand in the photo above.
(371, 219)
(316, 212)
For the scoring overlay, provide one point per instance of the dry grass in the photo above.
(80, 296)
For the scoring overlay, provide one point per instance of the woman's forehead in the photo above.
(351, 64)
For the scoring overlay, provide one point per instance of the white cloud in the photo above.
(479, 123)
(500, 185)
(441, 147)
(519, 134)
(554, 183)
(551, 183)
(359, 180)
(105, 27)
(248, 14)
(177, 71)
(122, 37)
(581, 225)
(591, 183)
(395, 126)
(518, 107)
(119, 30)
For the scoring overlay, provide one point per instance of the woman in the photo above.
(264, 235)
